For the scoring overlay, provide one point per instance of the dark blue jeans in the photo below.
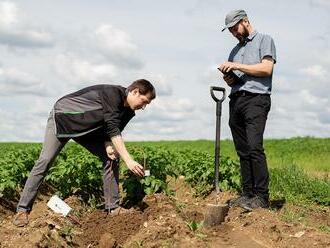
(247, 120)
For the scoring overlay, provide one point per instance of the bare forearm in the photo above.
(256, 70)
(263, 69)
(134, 166)
(120, 147)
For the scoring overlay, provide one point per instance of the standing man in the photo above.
(93, 117)
(249, 73)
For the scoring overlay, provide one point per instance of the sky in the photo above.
(52, 48)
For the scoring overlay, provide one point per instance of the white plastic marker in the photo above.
(147, 173)
(58, 206)
(145, 166)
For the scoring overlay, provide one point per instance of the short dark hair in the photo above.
(144, 86)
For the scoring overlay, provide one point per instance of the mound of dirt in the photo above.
(161, 221)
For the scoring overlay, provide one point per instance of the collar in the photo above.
(249, 38)
(252, 35)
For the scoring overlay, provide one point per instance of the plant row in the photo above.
(77, 171)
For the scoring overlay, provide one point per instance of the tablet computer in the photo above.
(232, 74)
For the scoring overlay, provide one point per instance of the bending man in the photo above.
(93, 117)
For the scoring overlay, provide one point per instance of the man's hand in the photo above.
(132, 165)
(111, 151)
(229, 66)
(262, 69)
(136, 168)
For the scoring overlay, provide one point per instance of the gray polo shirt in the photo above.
(256, 47)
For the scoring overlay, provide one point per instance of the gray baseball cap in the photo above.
(233, 17)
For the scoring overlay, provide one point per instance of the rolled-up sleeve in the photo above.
(267, 48)
(112, 103)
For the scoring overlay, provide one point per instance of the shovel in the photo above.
(217, 134)
(215, 213)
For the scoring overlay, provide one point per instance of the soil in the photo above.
(164, 221)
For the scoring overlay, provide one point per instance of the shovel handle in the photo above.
(221, 89)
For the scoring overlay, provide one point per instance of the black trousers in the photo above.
(247, 120)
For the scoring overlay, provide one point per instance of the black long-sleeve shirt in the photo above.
(90, 109)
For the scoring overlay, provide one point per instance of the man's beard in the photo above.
(242, 37)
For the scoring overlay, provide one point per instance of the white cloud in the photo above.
(77, 70)
(165, 118)
(26, 125)
(282, 84)
(298, 113)
(320, 3)
(177, 51)
(324, 117)
(26, 38)
(211, 75)
(105, 55)
(14, 82)
(114, 40)
(315, 79)
(160, 82)
(169, 109)
(21, 127)
(8, 14)
(7, 126)
(116, 45)
(40, 108)
(308, 98)
(15, 33)
(315, 71)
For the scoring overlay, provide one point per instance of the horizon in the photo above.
(192, 140)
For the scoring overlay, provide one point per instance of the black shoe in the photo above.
(255, 202)
(244, 199)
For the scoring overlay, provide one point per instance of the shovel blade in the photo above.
(215, 214)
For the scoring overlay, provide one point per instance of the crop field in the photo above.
(166, 208)
(310, 154)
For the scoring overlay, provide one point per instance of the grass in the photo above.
(293, 184)
(310, 154)
(325, 228)
(307, 198)
(307, 214)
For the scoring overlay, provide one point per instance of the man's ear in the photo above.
(246, 20)
(135, 91)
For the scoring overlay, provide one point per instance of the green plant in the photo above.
(15, 165)
(194, 226)
(293, 184)
(198, 169)
(77, 170)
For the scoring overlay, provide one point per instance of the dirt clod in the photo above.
(107, 241)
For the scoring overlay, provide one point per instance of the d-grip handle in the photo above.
(221, 89)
